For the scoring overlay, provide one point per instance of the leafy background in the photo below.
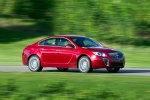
(121, 21)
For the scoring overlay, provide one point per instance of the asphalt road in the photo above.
(124, 71)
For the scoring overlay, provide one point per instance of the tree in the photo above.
(34, 9)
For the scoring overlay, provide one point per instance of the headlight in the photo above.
(100, 54)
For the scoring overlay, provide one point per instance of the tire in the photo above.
(84, 64)
(113, 70)
(34, 64)
(62, 69)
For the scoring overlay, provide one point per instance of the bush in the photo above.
(7, 89)
(34, 9)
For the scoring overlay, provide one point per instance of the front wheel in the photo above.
(62, 69)
(84, 64)
(113, 70)
(34, 64)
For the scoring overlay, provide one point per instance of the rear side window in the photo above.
(48, 42)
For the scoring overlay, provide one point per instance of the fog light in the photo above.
(106, 61)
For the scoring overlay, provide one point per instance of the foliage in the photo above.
(34, 9)
(7, 88)
(119, 21)
(6, 6)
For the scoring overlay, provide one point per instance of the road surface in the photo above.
(124, 71)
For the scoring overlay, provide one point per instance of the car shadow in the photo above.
(104, 71)
(134, 71)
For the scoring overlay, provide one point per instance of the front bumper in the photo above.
(106, 62)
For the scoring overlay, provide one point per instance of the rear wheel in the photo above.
(62, 69)
(113, 70)
(84, 64)
(34, 64)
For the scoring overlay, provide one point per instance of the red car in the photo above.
(71, 51)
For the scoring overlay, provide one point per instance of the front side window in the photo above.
(85, 42)
(62, 42)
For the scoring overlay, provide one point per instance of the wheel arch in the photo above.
(31, 56)
(39, 67)
(82, 56)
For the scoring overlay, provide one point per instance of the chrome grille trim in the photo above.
(116, 55)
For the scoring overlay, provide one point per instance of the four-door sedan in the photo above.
(71, 51)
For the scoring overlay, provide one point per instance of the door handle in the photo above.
(57, 50)
(41, 48)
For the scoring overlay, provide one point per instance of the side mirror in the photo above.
(101, 44)
(70, 46)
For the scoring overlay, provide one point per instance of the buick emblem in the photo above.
(117, 55)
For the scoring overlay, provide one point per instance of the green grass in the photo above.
(13, 42)
(72, 86)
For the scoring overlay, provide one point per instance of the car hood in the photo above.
(101, 49)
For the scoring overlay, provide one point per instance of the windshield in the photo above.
(85, 42)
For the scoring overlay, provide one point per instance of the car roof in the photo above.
(66, 36)
(59, 36)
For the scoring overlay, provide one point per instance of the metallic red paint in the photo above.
(66, 57)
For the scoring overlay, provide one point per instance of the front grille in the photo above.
(117, 64)
(116, 55)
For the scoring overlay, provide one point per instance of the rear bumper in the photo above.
(24, 59)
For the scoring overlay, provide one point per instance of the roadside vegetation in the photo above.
(120, 24)
(72, 86)
(117, 21)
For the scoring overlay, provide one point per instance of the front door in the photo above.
(65, 54)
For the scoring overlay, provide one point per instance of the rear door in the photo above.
(48, 51)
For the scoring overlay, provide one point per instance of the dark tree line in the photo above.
(34, 9)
